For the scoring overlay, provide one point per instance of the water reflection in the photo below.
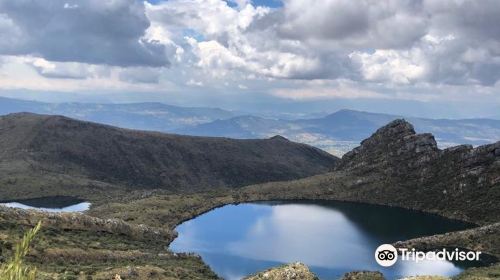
(332, 238)
(51, 204)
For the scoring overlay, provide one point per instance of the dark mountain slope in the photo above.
(54, 144)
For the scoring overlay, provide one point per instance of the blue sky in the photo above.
(426, 58)
(268, 3)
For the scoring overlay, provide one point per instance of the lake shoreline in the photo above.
(340, 222)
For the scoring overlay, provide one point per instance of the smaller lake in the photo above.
(332, 238)
(51, 204)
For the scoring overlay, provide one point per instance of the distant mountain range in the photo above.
(337, 133)
(341, 131)
(145, 116)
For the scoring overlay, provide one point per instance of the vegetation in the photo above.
(480, 273)
(485, 239)
(75, 246)
(68, 150)
(120, 172)
(15, 268)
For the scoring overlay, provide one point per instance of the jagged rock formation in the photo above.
(34, 148)
(397, 167)
(412, 172)
(293, 271)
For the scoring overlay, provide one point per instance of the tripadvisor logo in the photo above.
(387, 255)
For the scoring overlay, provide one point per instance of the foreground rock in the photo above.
(363, 275)
(294, 271)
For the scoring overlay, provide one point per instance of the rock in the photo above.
(395, 141)
(363, 275)
(294, 271)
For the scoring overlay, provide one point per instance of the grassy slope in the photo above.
(483, 239)
(53, 148)
(75, 246)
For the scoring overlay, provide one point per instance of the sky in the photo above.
(412, 57)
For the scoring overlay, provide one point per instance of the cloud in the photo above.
(193, 82)
(146, 75)
(368, 24)
(9, 32)
(367, 49)
(438, 42)
(67, 70)
(400, 67)
(94, 32)
(401, 42)
(321, 90)
(29, 73)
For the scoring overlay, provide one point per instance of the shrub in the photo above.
(15, 268)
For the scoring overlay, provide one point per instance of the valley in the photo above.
(394, 167)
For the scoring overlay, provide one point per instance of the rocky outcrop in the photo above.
(409, 170)
(397, 167)
(294, 271)
(76, 221)
(389, 146)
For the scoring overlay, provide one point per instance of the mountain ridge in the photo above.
(144, 159)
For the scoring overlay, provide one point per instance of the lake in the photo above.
(51, 204)
(332, 238)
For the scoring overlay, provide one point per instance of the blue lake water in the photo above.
(51, 204)
(332, 238)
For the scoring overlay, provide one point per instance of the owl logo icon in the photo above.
(386, 255)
